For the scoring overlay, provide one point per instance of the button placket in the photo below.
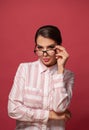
(46, 91)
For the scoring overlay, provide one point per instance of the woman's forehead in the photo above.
(45, 42)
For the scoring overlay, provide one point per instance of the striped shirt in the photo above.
(36, 90)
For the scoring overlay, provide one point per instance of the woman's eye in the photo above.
(51, 47)
(39, 47)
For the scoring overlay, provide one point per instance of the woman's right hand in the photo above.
(66, 115)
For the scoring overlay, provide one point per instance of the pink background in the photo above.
(19, 20)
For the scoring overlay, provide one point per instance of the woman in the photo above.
(42, 89)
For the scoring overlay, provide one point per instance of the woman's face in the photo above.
(47, 57)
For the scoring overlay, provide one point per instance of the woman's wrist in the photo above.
(60, 69)
(50, 114)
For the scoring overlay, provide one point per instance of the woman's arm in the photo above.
(16, 108)
(62, 93)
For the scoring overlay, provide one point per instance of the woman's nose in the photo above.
(45, 53)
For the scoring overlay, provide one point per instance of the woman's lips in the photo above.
(46, 59)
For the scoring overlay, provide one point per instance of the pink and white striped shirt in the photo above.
(36, 90)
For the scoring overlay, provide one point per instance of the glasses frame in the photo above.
(44, 51)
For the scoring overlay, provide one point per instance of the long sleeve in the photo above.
(16, 108)
(62, 90)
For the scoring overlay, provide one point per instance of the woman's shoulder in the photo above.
(69, 73)
(28, 66)
(25, 64)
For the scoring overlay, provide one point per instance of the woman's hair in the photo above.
(49, 31)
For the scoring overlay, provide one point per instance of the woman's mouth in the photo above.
(46, 59)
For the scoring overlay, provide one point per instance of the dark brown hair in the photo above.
(49, 31)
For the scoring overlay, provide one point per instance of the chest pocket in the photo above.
(33, 97)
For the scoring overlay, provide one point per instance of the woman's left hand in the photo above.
(61, 56)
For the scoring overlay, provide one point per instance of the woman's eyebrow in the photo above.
(39, 46)
(51, 45)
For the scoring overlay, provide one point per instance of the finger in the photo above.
(61, 50)
(68, 112)
(59, 47)
(65, 118)
(68, 116)
(62, 55)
